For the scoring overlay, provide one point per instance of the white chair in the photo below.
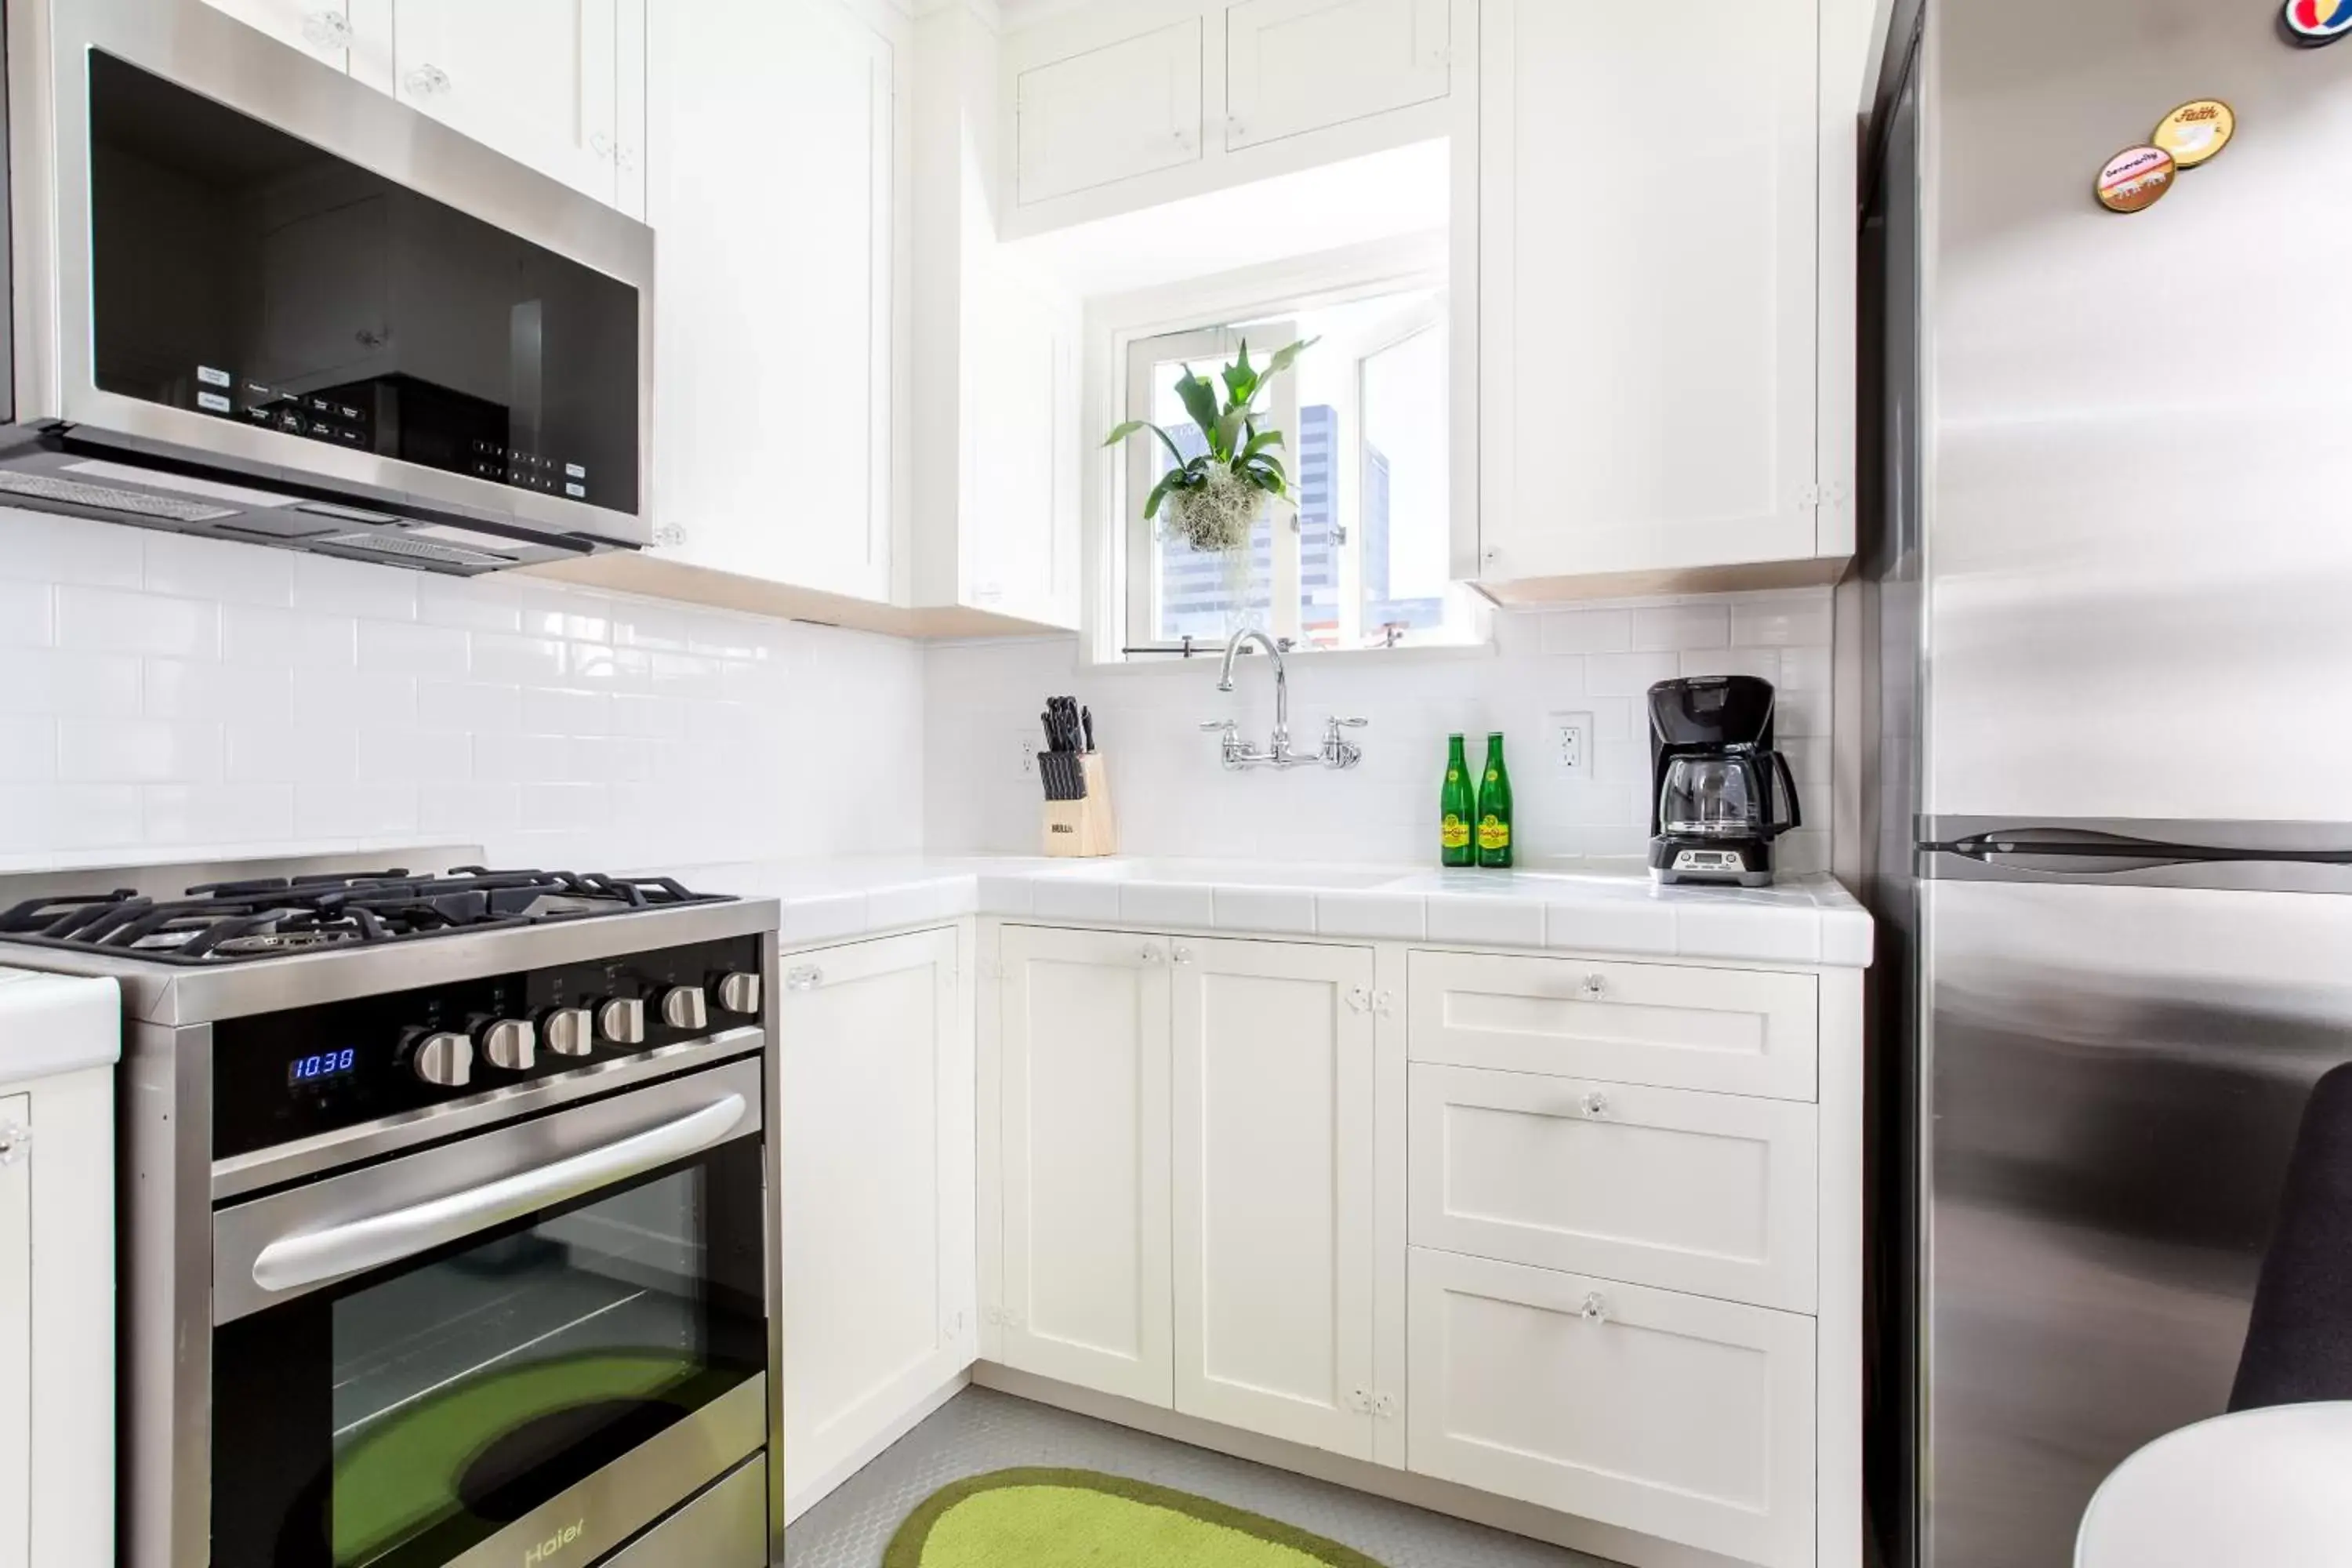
(2271, 1488)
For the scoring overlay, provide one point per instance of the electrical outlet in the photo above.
(1574, 734)
(1029, 756)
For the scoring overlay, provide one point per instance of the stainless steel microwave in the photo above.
(255, 299)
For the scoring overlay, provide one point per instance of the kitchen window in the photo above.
(1360, 560)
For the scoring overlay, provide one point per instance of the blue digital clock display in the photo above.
(323, 1067)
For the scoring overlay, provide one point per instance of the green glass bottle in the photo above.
(1458, 808)
(1494, 808)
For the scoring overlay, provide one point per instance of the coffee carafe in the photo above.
(1719, 792)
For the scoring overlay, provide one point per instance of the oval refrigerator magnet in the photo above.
(2317, 22)
(2136, 179)
(2195, 131)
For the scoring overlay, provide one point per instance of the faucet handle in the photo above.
(1215, 725)
(1349, 723)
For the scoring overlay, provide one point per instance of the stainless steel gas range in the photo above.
(446, 1241)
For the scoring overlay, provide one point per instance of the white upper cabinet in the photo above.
(537, 79)
(1020, 494)
(1273, 1189)
(1649, 253)
(1295, 65)
(1113, 111)
(321, 29)
(775, 326)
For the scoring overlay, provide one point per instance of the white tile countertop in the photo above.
(1802, 919)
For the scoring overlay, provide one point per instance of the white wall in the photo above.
(160, 694)
(1173, 798)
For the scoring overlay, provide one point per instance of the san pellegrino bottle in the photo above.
(1494, 808)
(1458, 808)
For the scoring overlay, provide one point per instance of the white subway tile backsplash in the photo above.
(288, 639)
(219, 813)
(44, 817)
(26, 618)
(1805, 668)
(35, 548)
(329, 586)
(137, 751)
(1796, 620)
(1629, 674)
(1764, 662)
(47, 680)
(403, 649)
(28, 748)
(1673, 627)
(354, 697)
(110, 620)
(164, 673)
(188, 689)
(209, 569)
(1587, 631)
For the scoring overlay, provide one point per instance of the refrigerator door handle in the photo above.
(2070, 844)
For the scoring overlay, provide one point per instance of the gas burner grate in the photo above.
(228, 922)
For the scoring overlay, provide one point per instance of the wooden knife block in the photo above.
(1083, 829)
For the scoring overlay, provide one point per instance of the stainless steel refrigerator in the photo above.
(2100, 651)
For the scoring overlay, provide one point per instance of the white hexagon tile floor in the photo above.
(980, 1430)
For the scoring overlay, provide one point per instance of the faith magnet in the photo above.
(2136, 179)
(2316, 21)
(2194, 132)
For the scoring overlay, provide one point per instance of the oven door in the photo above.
(232, 256)
(552, 1332)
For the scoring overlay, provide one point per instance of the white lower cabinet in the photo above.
(1273, 1188)
(1681, 1417)
(877, 1118)
(1709, 1193)
(1084, 1126)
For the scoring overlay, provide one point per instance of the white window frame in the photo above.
(1207, 352)
(1258, 295)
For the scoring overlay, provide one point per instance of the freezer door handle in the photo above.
(2075, 846)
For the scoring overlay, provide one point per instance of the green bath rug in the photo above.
(1079, 1519)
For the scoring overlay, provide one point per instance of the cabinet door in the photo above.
(876, 1115)
(1084, 1120)
(1020, 486)
(1648, 246)
(1295, 65)
(773, 327)
(1684, 1419)
(1109, 113)
(535, 79)
(320, 28)
(1273, 1189)
(16, 1341)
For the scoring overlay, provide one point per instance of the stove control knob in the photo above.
(511, 1044)
(622, 1021)
(445, 1061)
(570, 1031)
(740, 992)
(683, 1007)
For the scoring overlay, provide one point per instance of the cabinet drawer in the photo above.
(1712, 1193)
(1728, 1031)
(1681, 1417)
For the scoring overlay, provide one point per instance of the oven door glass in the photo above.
(240, 272)
(401, 1417)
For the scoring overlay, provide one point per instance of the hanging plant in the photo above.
(1214, 500)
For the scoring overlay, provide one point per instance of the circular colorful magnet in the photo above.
(2195, 131)
(2317, 22)
(2136, 179)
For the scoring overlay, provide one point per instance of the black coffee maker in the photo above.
(1717, 785)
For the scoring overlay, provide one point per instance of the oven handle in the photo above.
(296, 1262)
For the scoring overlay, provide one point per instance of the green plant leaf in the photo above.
(1261, 441)
(1224, 441)
(1200, 400)
(1285, 357)
(1241, 381)
(1132, 426)
(1158, 494)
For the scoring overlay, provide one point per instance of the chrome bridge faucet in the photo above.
(1336, 751)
